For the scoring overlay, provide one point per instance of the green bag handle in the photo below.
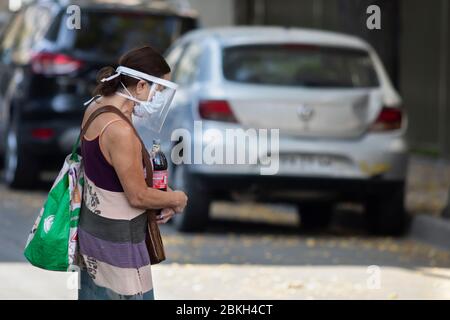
(74, 155)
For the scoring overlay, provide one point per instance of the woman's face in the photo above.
(143, 88)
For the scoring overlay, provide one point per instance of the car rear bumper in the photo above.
(293, 189)
(371, 164)
(374, 155)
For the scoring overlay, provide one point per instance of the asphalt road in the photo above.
(248, 252)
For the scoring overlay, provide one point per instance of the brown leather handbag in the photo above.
(153, 239)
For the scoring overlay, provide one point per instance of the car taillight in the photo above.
(42, 133)
(388, 119)
(48, 63)
(218, 110)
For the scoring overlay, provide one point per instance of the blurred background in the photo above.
(389, 208)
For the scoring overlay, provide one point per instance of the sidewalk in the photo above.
(236, 282)
(428, 183)
(428, 186)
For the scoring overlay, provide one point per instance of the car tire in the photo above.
(21, 170)
(385, 212)
(195, 216)
(315, 215)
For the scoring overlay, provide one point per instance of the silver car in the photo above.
(341, 128)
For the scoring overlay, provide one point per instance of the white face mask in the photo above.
(145, 108)
(152, 112)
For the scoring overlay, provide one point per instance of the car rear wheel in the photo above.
(315, 215)
(21, 171)
(195, 216)
(385, 213)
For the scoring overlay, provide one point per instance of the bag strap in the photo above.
(83, 130)
(145, 154)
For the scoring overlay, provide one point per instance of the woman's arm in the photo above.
(124, 150)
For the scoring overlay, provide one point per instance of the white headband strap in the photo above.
(140, 75)
(115, 75)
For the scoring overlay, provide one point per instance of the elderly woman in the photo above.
(113, 221)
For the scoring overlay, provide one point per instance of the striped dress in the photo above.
(111, 234)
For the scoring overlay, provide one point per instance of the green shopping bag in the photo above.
(52, 242)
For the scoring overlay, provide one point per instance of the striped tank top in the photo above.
(111, 233)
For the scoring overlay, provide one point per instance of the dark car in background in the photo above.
(48, 69)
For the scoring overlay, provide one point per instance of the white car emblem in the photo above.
(48, 223)
(305, 113)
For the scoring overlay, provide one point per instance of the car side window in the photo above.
(187, 68)
(10, 37)
(36, 22)
(173, 57)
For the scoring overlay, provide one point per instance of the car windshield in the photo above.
(299, 65)
(106, 33)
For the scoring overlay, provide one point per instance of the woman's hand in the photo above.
(165, 215)
(181, 200)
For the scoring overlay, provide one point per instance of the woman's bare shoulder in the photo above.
(120, 131)
(102, 118)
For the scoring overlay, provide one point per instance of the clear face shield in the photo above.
(152, 113)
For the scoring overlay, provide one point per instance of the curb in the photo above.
(433, 230)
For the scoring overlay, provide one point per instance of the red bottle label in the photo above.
(160, 179)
